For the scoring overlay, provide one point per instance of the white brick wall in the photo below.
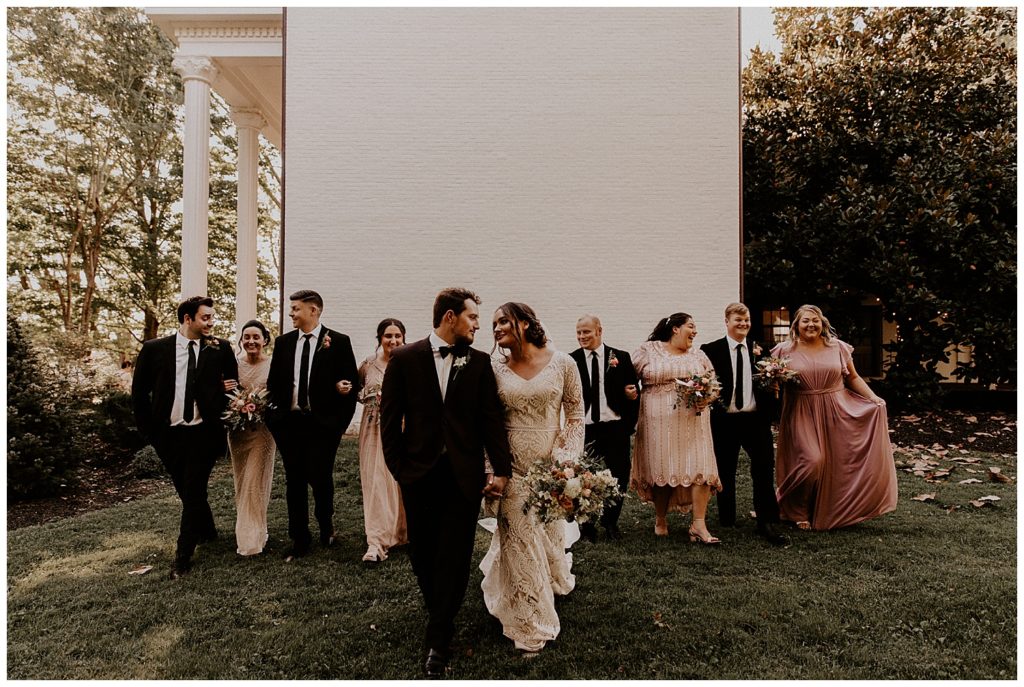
(574, 159)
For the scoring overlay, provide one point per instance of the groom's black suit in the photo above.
(751, 430)
(188, 452)
(435, 449)
(308, 439)
(610, 440)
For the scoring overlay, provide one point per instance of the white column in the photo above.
(197, 73)
(248, 124)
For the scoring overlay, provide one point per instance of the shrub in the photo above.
(39, 459)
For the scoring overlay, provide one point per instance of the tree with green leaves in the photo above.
(880, 161)
(94, 179)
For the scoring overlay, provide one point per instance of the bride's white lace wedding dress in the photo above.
(527, 563)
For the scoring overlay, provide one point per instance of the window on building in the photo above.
(774, 325)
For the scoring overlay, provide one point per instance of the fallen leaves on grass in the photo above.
(985, 501)
(140, 570)
(972, 480)
(996, 475)
(659, 622)
(923, 497)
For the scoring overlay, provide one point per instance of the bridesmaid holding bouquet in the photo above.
(383, 514)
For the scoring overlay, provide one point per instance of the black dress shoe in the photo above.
(208, 537)
(613, 532)
(588, 531)
(766, 532)
(296, 551)
(180, 568)
(327, 539)
(436, 665)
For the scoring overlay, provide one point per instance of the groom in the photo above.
(743, 419)
(178, 397)
(439, 411)
(313, 383)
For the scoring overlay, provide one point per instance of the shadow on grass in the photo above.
(917, 594)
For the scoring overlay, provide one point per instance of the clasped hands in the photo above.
(495, 486)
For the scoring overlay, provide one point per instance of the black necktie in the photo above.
(739, 377)
(595, 390)
(190, 383)
(304, 374)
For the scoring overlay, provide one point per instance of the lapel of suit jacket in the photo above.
(727, 376)
(426, 356)
(318, 350)
(607, 369)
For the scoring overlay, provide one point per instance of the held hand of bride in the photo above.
(495, 486)
(631, 392)
(344, 387)
(230, 384)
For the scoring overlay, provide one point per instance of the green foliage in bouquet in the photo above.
(570, 487)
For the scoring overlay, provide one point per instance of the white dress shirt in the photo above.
(607, 414)
(442, 365)
(298, 362)
(180, 372)
(747, 382)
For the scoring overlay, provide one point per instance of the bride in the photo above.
(527, 564)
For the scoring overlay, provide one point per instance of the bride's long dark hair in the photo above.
(532, 329)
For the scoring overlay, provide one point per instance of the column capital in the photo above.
(195, 67)
(247, 118)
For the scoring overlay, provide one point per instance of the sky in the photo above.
(756, 28)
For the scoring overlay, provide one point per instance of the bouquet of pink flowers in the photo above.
(697, 391)
(571, 487)
(246, 408)
(771, 372)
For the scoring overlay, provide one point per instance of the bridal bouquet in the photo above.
(246, 408)
(697, 390)
(774, 371)
(572, 487)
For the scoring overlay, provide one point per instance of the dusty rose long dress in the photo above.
(383, 513)
(834, 464)
(252, 463)
(673, 445)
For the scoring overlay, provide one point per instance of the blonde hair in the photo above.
(827, 332)
(736, 309)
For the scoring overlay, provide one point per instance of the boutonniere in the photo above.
(757, 350)
(612, 360)
(458, 364)
(326, 343)
(211, 342)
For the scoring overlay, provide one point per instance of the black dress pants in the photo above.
(188, 453)
(442, 526)
(308, 450)
(752, 432)
(611, 442)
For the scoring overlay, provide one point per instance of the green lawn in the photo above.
(919, 594)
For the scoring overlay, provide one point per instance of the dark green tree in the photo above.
(880, 161)
(39, 458)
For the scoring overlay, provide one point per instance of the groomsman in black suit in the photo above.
(743, 419)
(612, 406)
(178, 398)
(313, 384)
(439, 410)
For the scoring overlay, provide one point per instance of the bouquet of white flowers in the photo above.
(569, 487)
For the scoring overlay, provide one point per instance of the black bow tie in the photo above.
(453, 350)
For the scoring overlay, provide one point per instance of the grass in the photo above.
(919, 594)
